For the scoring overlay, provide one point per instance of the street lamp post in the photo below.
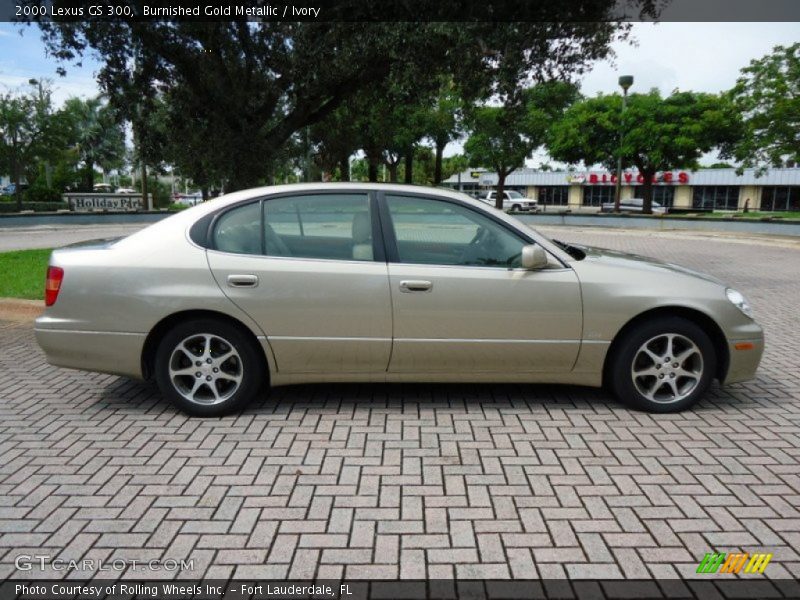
(625, 82)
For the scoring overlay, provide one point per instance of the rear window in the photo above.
(239, 230)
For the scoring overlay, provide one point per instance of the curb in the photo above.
(17, 309)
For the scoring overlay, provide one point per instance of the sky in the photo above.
(703, 57)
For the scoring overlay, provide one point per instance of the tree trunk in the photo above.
(372, 170)
(392, 166)
(437, 165)
(501, 184)
(647, 191)
(344, 168)
(146, 204)
(17, 177)
(204, 192)
(409, 165)
(90, 174)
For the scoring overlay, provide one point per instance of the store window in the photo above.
(716, 197)
(664, 195)
(596, 195)
(553, 195)
(780, 198)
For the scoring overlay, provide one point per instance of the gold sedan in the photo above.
(369, 282)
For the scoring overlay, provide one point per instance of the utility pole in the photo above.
(625, 82)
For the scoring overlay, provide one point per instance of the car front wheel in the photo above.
(208, 368)
(663, 366)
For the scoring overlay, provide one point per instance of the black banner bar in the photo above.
(399, 10)
(701, 588)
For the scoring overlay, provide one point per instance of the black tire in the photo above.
(689, 388)
(229, 395)
(515, 208)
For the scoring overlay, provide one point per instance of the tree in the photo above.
(658, 133)
(768, 96)
(443, 124)
(336, 139)
(29, 131)
(258, 83)
(390, 122)
(502, 137)
(96, 134)
(253, 84)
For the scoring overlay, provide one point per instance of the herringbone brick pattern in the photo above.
(412, 481)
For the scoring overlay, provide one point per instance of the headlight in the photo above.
(739, 301)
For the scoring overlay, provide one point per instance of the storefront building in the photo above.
(714, 189)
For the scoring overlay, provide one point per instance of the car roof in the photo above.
(271, 190)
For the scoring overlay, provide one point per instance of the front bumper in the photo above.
(744, 358)
(104, 352)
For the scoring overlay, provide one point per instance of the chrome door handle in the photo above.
(240, 281)
(415, 285)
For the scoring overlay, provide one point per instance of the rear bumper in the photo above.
(104, 352)
(745, 356)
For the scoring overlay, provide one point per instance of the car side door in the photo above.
(461, 301)
(309, 268)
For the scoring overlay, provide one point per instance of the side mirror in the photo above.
(533, 257)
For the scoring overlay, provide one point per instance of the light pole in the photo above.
(625, 82)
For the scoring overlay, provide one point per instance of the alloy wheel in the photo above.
(667, 368)
(205, 369)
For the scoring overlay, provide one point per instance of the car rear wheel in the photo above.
(208, 368)
(663, 366)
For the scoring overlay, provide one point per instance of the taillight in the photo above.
(52, 285)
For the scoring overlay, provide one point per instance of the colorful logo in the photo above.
(719, 562)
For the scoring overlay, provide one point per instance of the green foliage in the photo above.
(161, 192)
(23, 273)
(10, 207)
(454, 164)
(41, 193)
(768, 96)
(56, 150)
(336, 138)
(442, 123)
(96, 136)
(502, 137)
(237, 92)
(359, 170)
(30, 131)
(658, 133)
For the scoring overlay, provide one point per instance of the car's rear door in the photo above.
(310, 270)
(461, 303)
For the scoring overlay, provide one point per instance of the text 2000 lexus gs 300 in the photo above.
(370, 282)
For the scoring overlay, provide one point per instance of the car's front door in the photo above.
(307, 269)
(462, 303)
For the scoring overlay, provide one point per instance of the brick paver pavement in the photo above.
(413, 481)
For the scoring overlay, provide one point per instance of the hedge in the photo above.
(11, 207)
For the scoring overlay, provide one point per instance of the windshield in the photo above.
(513, 194)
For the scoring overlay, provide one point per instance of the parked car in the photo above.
(8, 190)
(125, 190)
(103, 188)
(633, 205)
(512, 200)
(378, 282)
(188, 199)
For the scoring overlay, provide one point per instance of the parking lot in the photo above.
(415, 481)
